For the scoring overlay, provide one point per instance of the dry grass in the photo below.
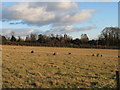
(23, 69)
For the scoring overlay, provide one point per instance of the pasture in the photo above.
(68, 68)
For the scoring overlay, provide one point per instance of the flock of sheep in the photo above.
(97, 55)
(71, 53)
(52, 54)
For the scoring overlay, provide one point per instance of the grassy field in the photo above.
(42, 69)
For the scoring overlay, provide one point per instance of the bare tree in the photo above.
(110, 35)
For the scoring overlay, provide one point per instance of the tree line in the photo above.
(109, 38)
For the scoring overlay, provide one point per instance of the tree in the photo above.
(65, 36)
(19, 39)
(33, 37)
(52, 37)
(84, 38)
(4, 39)
(77, 41)
(92, 42)
(13, 38)
(110, 36)
(27, 38)
(41, 38)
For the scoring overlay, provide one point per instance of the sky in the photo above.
(72, 18)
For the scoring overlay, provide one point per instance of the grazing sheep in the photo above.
(54, 53)
(69, 53)
(97, 55)
(93, 55)
(32, 51)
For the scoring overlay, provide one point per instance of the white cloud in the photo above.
(56, 30)
(66, 6)
(55, 5)
(80, 16)
(20, 32)
(61, 16)
(6, 32)
(68, 29)
(40, 14)
(22, 11)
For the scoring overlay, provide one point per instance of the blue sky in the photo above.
(87, 17)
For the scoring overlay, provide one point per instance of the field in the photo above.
(42, 69)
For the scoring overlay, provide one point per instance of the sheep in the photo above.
(97, 55)
(69, 53)
(101, 55)
(32, 51)
(54, 53)
(93, 55)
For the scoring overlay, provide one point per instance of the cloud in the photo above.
(60, 16)
(68, 29)
(20, 32)
(78, 17)
(54, 6)
(56, 30)
(27, 14)
(40, 14)
(6, 32)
